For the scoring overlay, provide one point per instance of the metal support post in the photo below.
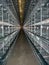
(41, 25)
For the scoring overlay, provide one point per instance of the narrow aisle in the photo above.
(22, 53)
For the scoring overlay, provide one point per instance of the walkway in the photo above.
(22, 53)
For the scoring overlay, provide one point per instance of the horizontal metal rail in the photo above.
(38, 53)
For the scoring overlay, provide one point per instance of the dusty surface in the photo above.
(22, 53)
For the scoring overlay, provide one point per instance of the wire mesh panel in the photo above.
(9, 28)
(39, 29)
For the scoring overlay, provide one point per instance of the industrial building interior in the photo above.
(24, 32)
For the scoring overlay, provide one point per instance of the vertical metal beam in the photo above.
(41, 25)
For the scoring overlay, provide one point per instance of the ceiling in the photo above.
(22, 6)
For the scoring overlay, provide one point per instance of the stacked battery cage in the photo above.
(37, 28)
(9, 28)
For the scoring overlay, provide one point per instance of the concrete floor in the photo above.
(22, 53)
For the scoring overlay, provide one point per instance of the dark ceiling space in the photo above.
(23, 7)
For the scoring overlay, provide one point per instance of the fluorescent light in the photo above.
(19, 1)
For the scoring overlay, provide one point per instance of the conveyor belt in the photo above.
(22, 53)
